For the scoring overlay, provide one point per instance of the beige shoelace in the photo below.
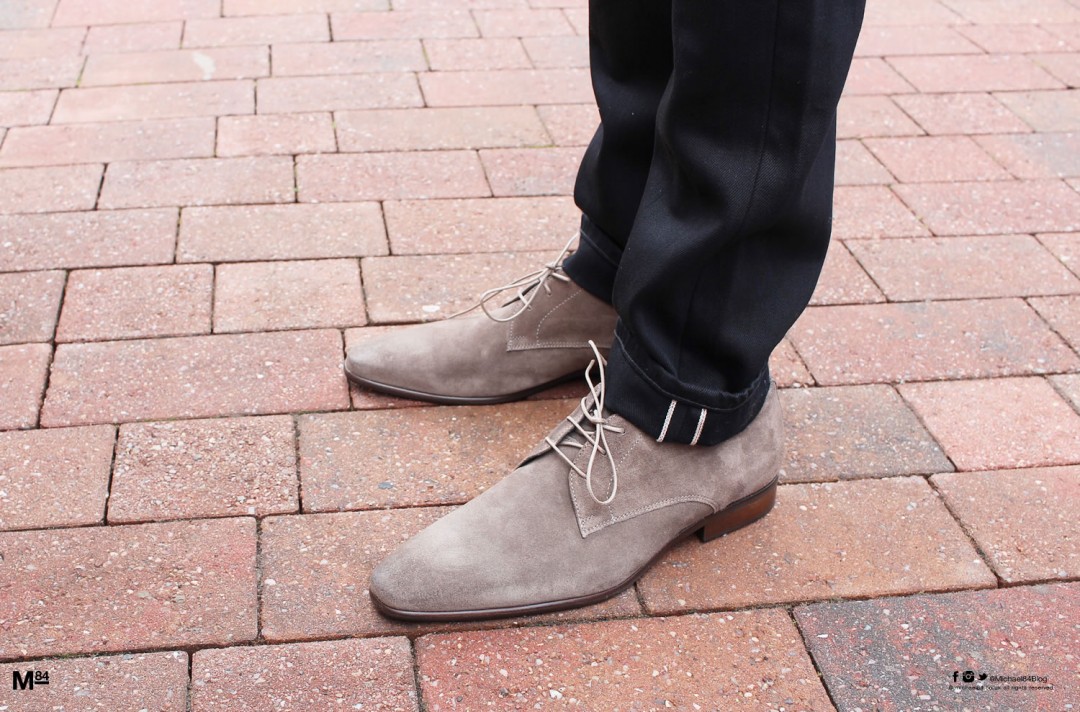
(526, 288)
(594, 414)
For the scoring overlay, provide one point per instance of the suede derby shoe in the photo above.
(535, 337)
(581, 519)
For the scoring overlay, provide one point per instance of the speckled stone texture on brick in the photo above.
(156, 681)
(751, 660)
(291, 7)
(475, 54)
(1040, 155)
(155, 101)
(542, 22)
(135, 37)
(480, 224)
(449, 128)
(557, 52)
(891, 343)
(315, 570)
(281, 232)
(821, 541)
(114, 12)
(372, 674)
(386, 90)
(103, 589)
(27, 43)
(532, 171)
(39, 73)
(852, 432)
(176, 66)
(228, 31)
(199, 181)
(408, 457)
(452, 22)
(1013, 38)
(897, 655)
(272, 134)
(872, 75)
(872, 211)
(963, 267)
(54, 478)
(1063, 315)
(843, 280)
(92, 239)
(936, 158)
(966, 113)
(23, 370)
(196, 376)
(136, 302)
(25, 108)
(1045, 110)
(41, 190)
(917, 40)
(204, 468)
(89, 143)
(1069, 388)
(317, 58)
(383, 176)
(265, 296)
(996, 207)
(29, 304)
(786, 368)
(1021, 519)
(402, 289)
(979, 72)
(508, 87)
(862, 116)
(998, 423)
(570, 124)
(857, 166)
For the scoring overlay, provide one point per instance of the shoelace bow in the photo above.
(594, 415)
(526, 287)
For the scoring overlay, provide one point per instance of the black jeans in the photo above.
(707, 195)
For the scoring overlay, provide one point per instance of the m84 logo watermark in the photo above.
(27, 679)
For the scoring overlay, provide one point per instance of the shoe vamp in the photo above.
(519, 544)
(464, 357)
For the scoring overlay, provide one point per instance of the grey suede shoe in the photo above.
(532, 340)
(581, 519)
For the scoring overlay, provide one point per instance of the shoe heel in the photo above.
(739, 514)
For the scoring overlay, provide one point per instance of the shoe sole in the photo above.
(454, 400)
(738, 514)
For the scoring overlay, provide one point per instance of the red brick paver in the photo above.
(23, 370)
(900, 654)
(1020, 518)
(281, 232)
(157, 681)
(136, 302)
(52, 478)
(108, 589)
(29, 303)
(349, 674)
(991, 424)
(204, 468)
(264, 296)
(197, 376)
(645, 664)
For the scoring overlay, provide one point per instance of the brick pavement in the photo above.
(203, 202)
